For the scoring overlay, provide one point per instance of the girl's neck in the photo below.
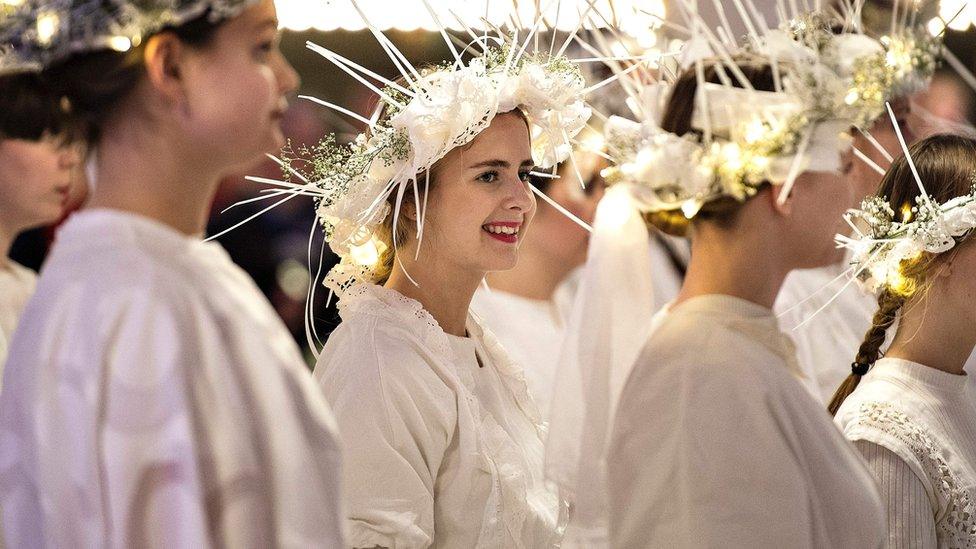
(735, 263)
(445, 293)
(153, 177)
(7, 235)
(933, 331)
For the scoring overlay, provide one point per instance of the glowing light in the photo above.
(966, 10)
(119, 43)
(755, 130)
(690, 208)
(615, 209)
(367, 254)
(851, 97)
(13, 3)
(936, 26)
(900, 284)
(906, 213)
(47, 27)
(293, 279)
(593, 142)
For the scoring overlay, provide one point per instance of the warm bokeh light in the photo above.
(966, 10)
(638, 18)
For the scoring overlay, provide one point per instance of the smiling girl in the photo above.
(443, 441)
(152, 396)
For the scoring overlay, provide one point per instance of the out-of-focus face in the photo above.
(560, 237)
(236, 89)
(480, 204)
(35, 180)
(864, 178)
(819, 200)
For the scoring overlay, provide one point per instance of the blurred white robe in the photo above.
(16, 286)
(716, 443)
(154, 399)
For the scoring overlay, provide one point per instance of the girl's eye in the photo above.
(525, 176)
(488, 177)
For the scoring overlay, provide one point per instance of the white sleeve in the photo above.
(702, 463)
(146, 437)
(396, 418)
(911, 521)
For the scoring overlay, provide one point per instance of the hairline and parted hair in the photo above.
(677, 119)
(945, 164)
(96, 83)
(30, 109)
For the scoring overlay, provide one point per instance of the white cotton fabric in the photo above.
(927, 418)
(16, 286)
(440, 452)
(609, 323)
(153, 398)
(826, 337)
(532, 332)
(716, 443)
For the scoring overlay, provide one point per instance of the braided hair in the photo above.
(945, 164)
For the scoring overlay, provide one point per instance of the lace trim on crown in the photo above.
(957, 528)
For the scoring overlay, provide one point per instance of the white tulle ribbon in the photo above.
(609, 323)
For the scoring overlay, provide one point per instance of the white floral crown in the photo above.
(435, 111)
(881, 243)
(826, 83)
(57, 29)
(14, 55)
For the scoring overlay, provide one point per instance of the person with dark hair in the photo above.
(715, 440)
(152, 397)
(911, 410)
(37, 157)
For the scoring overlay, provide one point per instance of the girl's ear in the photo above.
(163, 58)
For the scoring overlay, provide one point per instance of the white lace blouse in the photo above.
(444, 447)
(916, 426)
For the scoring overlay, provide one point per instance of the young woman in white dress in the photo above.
(444, 445)
(152, 397)
(716, 442)
(913, 412)
(36, 163)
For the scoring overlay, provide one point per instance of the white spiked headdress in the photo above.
(426, 115)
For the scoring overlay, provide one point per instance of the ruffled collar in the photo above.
(377, 300)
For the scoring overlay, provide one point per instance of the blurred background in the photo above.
(278, 247)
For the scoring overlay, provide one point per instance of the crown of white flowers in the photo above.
(881, 242)
(14, 55)
(430, 113)
(57, 29)
(825, 82)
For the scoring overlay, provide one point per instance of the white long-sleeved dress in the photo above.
(716, 443)
(443, 443)
(16, 286)
(916, 427)
(153, 399)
